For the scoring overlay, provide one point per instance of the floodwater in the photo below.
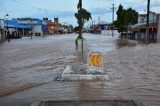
(29, 68)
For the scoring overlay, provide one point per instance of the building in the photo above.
(50, 27)
(2, 30)
(19, 28)
(98, 28)
(36, 26)
(15, 29)
(139, 30)
(67, 28)
(53, 27)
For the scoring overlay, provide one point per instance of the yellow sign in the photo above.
(95, 59)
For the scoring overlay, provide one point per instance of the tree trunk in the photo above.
(80, 24)
(80, 33)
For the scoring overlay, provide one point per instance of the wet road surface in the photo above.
(29, 68)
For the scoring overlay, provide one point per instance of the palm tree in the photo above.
(82, 16)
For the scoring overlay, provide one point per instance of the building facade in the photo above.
(2, 30)
(51, 27)
(140, 30)
(36, 26)
(19, 28)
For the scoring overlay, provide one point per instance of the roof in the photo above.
(143, 26)
(31, 22)
(49, 22)
(15, 24)
(142, 15)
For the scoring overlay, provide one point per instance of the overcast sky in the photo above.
(65, 9)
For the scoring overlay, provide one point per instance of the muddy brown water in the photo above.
(134, 72)
(90, 103)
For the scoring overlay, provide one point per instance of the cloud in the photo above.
(65, 9)
(100, 10)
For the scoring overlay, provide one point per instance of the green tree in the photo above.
(76, 29)
(132, 16)
(125, 18)
(82, 16)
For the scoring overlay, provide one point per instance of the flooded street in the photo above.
(29, 68)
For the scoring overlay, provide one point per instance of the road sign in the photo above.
(95, 59)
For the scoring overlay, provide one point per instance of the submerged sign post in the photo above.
(93, 71)
(95, 62)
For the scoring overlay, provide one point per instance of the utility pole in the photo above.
(6, 17)
(7, 33)
(99, 20)
(147, 24)
(113, 8)
(92, 25)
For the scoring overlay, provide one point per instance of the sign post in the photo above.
(95, 62)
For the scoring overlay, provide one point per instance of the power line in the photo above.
(40, 9)
(28, 5)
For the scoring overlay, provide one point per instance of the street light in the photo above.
(7, 28)
(7, 20)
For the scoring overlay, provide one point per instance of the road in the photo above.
(29, 68)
